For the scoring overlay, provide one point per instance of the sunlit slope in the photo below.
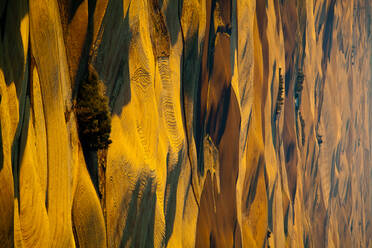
(233, 123)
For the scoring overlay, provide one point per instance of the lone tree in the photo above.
(319, 138)
(93, 114)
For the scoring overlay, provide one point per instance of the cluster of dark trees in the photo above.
(299, 83)
(93, 114)
(280, 97)
(302, 121)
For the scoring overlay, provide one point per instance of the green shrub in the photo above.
(93, 114)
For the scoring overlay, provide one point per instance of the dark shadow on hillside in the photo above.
(270, 219)
(262, 21)
(206, 66)
(3, 7)
(19, 142)
(170, 198)
(114, 50)
(140, 219)
(173, 16)
(328, 32)
(68, 10)
(15, 71)
(73, 8)
(251, 194)
(1, 148)
(11, 42)
(82, 70)
(190, 69)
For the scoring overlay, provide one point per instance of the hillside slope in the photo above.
(235, 123)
